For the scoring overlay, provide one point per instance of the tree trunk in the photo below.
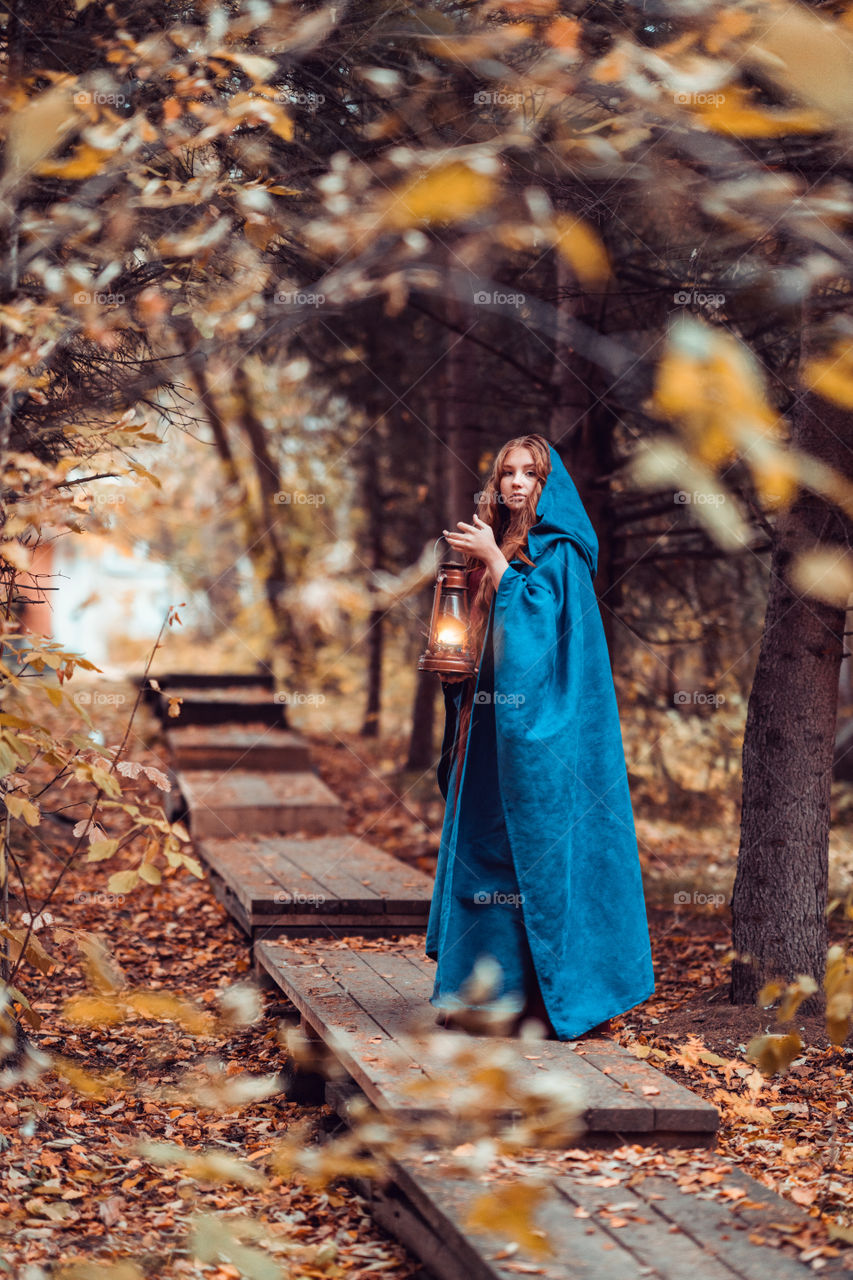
(421, 752)
(462, 444)
(373, 460)
(779, 898)
(581, 429)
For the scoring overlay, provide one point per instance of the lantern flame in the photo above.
(451, 633)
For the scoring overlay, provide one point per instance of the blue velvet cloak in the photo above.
(538, 863)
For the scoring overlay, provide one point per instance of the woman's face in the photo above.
(518, 478)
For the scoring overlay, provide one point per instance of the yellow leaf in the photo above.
(162, 1004)
(282, 126)
(150, 873)
(773, 1053)
(94, 1011)
(507, 1211)
(192, 864)
(831, 375)
(580, 246)
(808, 55)
(123, 881)
(36, 130)
(17, 555)
(101, 849)
(775, 479)
(446, 193)
(34, 951)
(20, 807)
(84, 1081)
(826, 575)
(709, 385)
(257, 67)
(728, 24)
(85, 163)
(141, 471)
(730, 110)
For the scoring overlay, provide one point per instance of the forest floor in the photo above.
(74, 1186)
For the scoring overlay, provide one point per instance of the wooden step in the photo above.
(276, 886)
(367, 1005)
(242, 800)
(245, 746)
(215, 680)
(228, 704)
(603, 1219)
(201, 680)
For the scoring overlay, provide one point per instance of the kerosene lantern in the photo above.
(448, 648)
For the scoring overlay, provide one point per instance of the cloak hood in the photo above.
(562, 515)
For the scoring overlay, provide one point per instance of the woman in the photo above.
(538, 865)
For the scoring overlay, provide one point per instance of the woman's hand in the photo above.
(476, 539)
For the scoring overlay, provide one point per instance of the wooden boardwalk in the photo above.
(311, 897)
(271, 833)
(329, 886)
(617, 1223)
(366, 1005)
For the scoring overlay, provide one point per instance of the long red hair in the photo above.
(510, 526)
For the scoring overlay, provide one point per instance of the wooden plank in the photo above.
(351, 869)
(644, 1229)
(723, 1228)
(356, 1037)
(445, 1250)
(219, 705)
(279, 880)
(581, 1247)
(264, 887)
(362, 989)
(226, 805)
(427, 1206)
(244, 746)
(674, 1107)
